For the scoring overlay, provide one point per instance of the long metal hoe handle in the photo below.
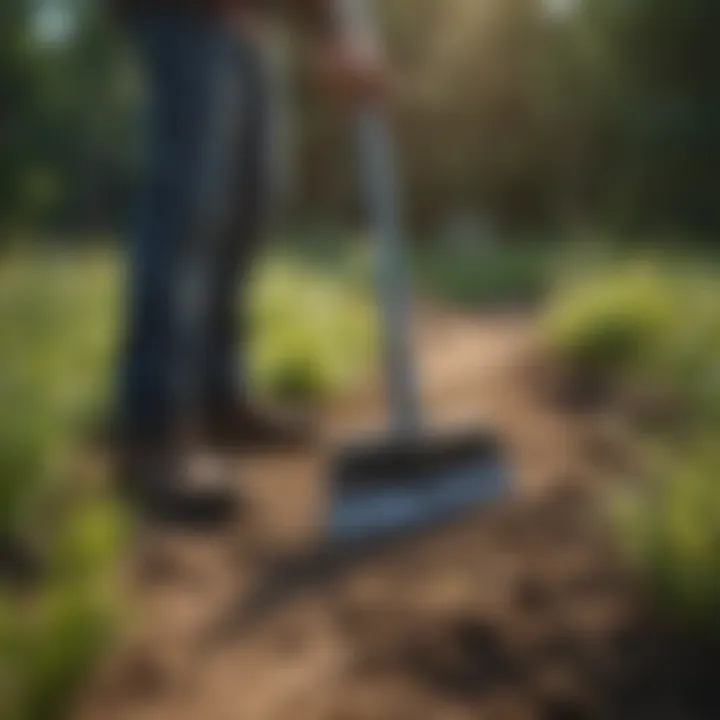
(379, 186)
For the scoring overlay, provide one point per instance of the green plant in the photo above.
(476, 277)
(58, 321)
(656, 324)
(56, 333)
(314, 333)
(618, 320)
(669, 530)
(52, 633)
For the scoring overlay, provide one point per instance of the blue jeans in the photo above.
(204, 202)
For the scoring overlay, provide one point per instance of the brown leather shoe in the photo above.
(171, 485)
(244, 427)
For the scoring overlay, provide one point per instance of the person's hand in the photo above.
(350, 74)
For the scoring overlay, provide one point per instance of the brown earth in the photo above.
(519, 612)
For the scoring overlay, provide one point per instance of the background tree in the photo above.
(535, 114)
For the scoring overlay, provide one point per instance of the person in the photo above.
(184, 381)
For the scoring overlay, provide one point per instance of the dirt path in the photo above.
(519, 612)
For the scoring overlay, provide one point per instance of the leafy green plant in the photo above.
(314, 333)
(657, 325)
(57, 338)
(616, 321)
(51, 634)
(669, 530)
(651, 324)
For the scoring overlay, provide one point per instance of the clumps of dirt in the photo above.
(464, 657)
(559, 385)
(570, 388)
(566, 635)
(606, 416)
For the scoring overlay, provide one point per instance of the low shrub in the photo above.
(476, 277)
(314, 333)
(669, 530)
(656, 326)
(616, 321)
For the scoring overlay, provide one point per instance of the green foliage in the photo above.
(473, 278)
(665, 112)
(52, 635)
(614, 321)
(608, 113)
(669, 530)
(314, 333)
(50, 368)
(58, 323)
(67, 147)
(657, 325)
(55, 354)
(654, 321)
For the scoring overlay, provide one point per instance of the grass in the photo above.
(313, 338)
(56, 351)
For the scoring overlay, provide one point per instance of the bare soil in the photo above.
(520, 612)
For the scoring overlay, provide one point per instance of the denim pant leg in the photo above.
(193, 79)
(225, 374)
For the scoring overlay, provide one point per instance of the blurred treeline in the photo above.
(531, 115)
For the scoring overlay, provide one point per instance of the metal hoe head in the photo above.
(398, 485)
